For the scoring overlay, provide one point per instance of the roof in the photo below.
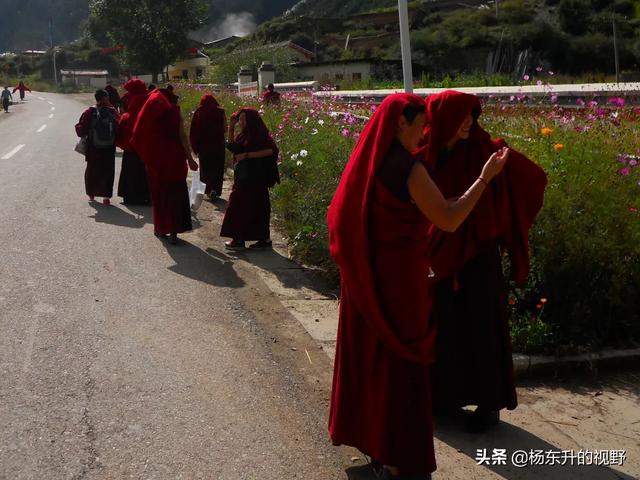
(376, 61)
(285, 44)
(85, 73)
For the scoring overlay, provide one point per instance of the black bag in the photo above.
(103, 128)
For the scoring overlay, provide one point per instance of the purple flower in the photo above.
(633, 162)
(539, 82)
(617, 101)
(551, 73)
(526, 77)
(345, 132)
(538, 69)
(554, 98)
(625, 171)
(580, 102)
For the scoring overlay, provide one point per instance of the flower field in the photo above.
(584, 288)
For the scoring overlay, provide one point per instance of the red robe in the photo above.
(207, 140)
(474, 362)
(156, 138)
(133, 185)
(270, 97)
(248, 213)
(381, 397)
(100, 171)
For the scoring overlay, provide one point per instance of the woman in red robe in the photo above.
(133, 186)
(248, 214)
(160, 140)
(378, 223)
(21, 88)
(474, 360)
(100, 171)
(207, 132)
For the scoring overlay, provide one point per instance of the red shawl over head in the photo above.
(136, 97)
(156, 137)
(256, 135)
(207, 126)
(506, 209)
(348, 221)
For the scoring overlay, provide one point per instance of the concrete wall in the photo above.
(193, 68)
(336, 72)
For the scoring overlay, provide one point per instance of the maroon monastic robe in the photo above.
(474, 359)
(381, 396)
(156, 138)
(207, 140)
(100, 171)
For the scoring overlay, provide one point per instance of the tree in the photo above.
(153, 32)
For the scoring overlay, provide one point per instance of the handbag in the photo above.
(81, 146)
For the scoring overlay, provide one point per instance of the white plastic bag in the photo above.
(196, 192)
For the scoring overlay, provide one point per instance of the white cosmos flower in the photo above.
(294, 157)
(299, 163)
(314, 131)
(303, 153)
(306, 120)
(320, 122)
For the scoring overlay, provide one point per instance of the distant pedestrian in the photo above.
(7, 98)
(160, 140)
(99, 126)
(152, 87)
(207, 136)
(21, 88)
(270, 96)
(133, 186)
(114, 96)
(255, 158)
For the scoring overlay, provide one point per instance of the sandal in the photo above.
(261, 244)
(234, 245)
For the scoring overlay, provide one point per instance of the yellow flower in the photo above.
(546, 131)
(558, 147)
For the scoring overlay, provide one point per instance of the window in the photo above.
(357, 76)
(185, 74)
(339, 76)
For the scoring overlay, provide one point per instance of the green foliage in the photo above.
(154, 33)
(226, 67)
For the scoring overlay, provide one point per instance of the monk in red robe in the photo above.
(208, 128)
(21, 88)
(270, 96)
(474, 359)
(248, 214)
(379, 222)
(160, 140)
(99, 125)
(133, 186)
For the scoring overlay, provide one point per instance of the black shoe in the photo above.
(173, 239)
(261, 244)
(234, 245)
(482, 420)
(160, 235)
(370, 471)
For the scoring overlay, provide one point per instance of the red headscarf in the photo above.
(508, 206)
(256, 135)
(156, 137)
(348, 220)
(207, 126)
(136, 96)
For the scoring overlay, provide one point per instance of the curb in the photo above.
(542, 364)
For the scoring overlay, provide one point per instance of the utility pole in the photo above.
(405, 44)
(497, 8)
(53, 52)
(615, 48)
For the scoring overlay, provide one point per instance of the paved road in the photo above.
(123, 357)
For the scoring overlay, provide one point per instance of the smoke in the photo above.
(239, 24)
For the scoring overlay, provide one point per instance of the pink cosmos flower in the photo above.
(526, 77)
(345, 132)
(625, 171)
(538, 69)
(580, 102)
(554, 98)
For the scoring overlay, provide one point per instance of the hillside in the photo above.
(25, 24)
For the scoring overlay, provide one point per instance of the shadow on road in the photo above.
(289, 273)
(514, 439)
(211, 267)
(113, 215)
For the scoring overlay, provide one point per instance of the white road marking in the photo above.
(53, 108)
(50, 103)
(13, 152)
(51, 116)
(42, 128)
(40, 98)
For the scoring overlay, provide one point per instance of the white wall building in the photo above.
(84, 78)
